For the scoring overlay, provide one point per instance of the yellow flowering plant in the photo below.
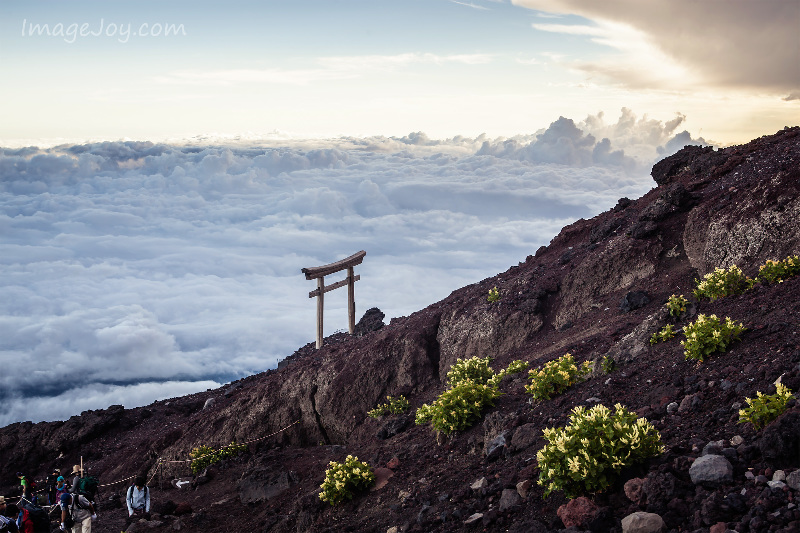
(203, 455)
(666, 333)
(721, 283)
(344, 480)
(765, 408)
(555, 377)
(779, 271)
(587, 454)
(494, 295)
(709, 334)
(472, 386)
(395, 406)
(676, 305)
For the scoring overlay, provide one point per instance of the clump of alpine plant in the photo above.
(587, 455)
(473, 386)
(709, 334)
(722, 282)
(765, 408)
(555, 377)
(344, 480)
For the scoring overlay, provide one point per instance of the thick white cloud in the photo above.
(95, 396)
(732, 44)
(128, 265)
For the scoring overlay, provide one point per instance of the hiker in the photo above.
(77, 513)
(138, 500)
(52, 498)
(27, 487)
(61, 488)
(7, 524)
(24, 521)
(84, 483)
(76, 471)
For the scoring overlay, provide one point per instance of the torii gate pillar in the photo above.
(319, 274)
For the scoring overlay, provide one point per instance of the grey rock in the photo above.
(371, 321)
(508, 499)
(711, 470)
(713, 448)
(793, 480)
(496, 447)
(480, 484)
(672, 408)
(641, 522)
(634, 300)
(524, 437)
(688, 403)
(524, 487)
(473, 518)
(780, 441)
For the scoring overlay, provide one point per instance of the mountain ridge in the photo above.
(712, 208)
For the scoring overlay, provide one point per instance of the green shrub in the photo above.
(515, 367)
(608, 364)
(555, 377)
(344, 480)
(709, 334)
(474, 368)
(203, 455)
(676, 305)
(721, 283)
(586, 455)
(665, 334)
(459, 407)
(779, 271)
(765, 408)
(494, 295)
(395, 406)
(473, 386)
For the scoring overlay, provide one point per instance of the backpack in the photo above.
(87, 486)
(7, 525)
(37, 515)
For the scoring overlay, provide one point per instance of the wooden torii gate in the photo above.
(319, 274)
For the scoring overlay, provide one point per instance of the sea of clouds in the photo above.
(137, 271)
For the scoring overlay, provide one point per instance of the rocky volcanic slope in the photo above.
(738, 205)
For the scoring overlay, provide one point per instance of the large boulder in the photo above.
(578, 512)
(711, 470)
(641, 522)
(780, 441)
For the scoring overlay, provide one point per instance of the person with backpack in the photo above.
(7, 524)
(51, 486)
(31, 518)
(77, 513)
(27, 487)
(77, 472)
(84, 483)
(138, 500)
(24, 521)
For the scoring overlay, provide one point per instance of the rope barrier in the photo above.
(176, 461)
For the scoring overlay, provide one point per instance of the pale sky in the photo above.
(324, 68)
